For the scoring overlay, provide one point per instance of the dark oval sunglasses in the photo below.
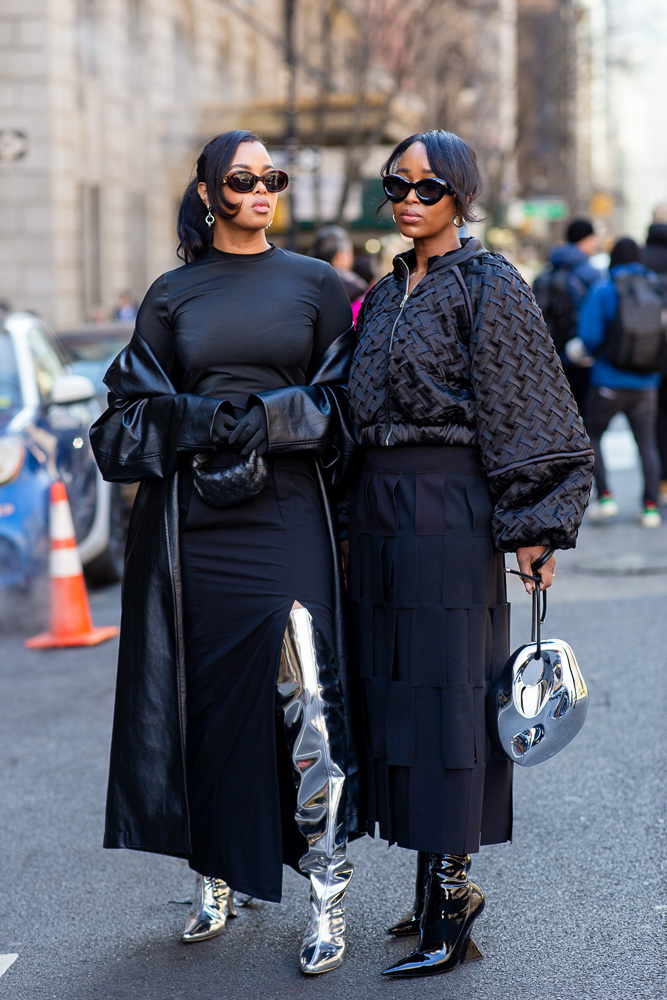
(429, 190)
(243, 181)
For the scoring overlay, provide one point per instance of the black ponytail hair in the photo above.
(213, 165)
(450, 158)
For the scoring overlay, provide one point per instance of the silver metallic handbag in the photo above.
(540, 702)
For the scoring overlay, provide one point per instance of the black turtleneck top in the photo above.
(228, 325)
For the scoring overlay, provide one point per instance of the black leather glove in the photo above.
(251, 432)
(223, 424)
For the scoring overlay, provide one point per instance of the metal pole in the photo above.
(291, 137)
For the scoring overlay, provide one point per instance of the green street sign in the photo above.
(546, 208)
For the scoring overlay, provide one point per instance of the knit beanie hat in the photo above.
(578, 229)
(625, 251)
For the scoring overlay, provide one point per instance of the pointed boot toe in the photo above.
(433, 963)
(408, 925)
(316, 957)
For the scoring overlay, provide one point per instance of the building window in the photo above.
(224, 59)
(135, 45)
(90, 250)
(184, 61)
(86, 16)
(137, 243)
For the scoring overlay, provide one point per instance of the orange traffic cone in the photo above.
(71, 623)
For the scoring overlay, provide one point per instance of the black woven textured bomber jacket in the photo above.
(466, 359)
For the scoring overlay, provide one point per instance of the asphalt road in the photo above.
(576, 905)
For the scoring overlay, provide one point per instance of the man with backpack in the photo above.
(623, 324)
(560, 289)
(655, 257)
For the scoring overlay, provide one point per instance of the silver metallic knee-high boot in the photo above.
(213, 903)
(309, 694)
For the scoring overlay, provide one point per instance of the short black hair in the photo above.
(578, 229)
(450, 158)
(329, 240)
(625, 251)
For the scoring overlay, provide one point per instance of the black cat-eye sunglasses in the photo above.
(429, 190)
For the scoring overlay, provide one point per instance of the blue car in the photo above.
(45, 413)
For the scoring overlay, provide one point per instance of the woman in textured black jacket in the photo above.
(473, 448)
(230, 630)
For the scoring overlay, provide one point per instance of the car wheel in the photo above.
(108, 566)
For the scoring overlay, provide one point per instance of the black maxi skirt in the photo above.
(243, 568)
(430, 632)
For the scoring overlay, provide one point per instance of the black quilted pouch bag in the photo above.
(227, 478)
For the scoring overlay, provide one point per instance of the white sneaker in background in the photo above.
(650, 516)
(603, 508)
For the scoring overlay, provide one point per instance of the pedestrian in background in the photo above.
(473, 448)
(333, 244)
(125, 308)
(560, 289)
(654, 256)
(617, 390)
(229, 743)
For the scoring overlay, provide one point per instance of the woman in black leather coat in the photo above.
(230, 741)
(473, 448)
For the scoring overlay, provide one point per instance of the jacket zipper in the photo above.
(406, 295)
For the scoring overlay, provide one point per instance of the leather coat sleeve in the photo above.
(315, 417)
(533, 444)
(147, 424)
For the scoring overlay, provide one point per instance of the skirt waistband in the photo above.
(458, 459)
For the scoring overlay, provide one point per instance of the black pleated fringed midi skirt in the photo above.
(243, 568)
(430, 633)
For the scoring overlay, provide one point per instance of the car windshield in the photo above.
(96, 349)
(10, 387)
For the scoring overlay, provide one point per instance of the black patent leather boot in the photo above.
(451, 906)
(410, 923)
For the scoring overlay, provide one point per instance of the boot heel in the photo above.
(472, 954)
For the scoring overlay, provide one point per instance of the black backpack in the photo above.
(552, 290)
(637, 339)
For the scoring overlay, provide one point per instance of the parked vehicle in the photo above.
(45, 412)
(91, 347)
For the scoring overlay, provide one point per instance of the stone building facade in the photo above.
(113, 99)
(104, 105)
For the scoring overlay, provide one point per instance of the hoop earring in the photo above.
(210, 218)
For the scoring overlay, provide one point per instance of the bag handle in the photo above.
(538, 616)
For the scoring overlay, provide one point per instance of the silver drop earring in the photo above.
(210, 218)
(269, 225)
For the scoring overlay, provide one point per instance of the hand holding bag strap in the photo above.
(538, 616)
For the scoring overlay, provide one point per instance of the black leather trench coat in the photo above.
(148, 431)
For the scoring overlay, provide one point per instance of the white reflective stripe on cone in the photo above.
(61, 526)
(65, 562)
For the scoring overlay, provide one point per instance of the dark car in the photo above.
(91, 347)
(45, 412)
